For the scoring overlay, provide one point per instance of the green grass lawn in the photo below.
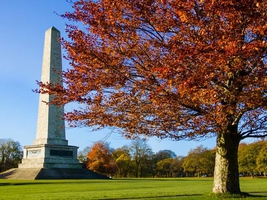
(169, 188)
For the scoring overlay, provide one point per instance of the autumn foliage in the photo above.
(171, 69)
(100, 159)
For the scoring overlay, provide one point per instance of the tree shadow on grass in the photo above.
(13, 182)
(157, 197)
(261, 194)
(243, 195)
(24, 183)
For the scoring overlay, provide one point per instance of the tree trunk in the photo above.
(226, 175)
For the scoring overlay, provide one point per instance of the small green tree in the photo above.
(199, 161)
(176, 166)
(247, 157)
(139, 151)
(147, 169)
(262, 159)
(123, 161)
(207, 161)
(163, 154)
(10, 154)
(164, 167)
(82, 155)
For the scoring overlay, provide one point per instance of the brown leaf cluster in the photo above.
(100, 159)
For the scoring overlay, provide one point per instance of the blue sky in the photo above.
(23, 24)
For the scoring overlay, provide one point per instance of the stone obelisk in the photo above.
(51, 126)
(50, 148)
(50, 157)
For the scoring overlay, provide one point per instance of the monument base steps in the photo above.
(43, 173)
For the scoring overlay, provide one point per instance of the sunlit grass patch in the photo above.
(165, 188)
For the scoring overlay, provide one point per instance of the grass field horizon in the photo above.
(130, 188)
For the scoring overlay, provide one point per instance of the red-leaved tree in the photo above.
(100, 159)
(179, 69)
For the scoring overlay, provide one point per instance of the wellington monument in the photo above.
(50, 148)
(50, 157)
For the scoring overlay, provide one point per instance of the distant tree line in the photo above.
(138, 160)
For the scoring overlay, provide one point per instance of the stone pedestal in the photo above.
(50, 156)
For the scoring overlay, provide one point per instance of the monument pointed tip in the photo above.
(53, 28)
